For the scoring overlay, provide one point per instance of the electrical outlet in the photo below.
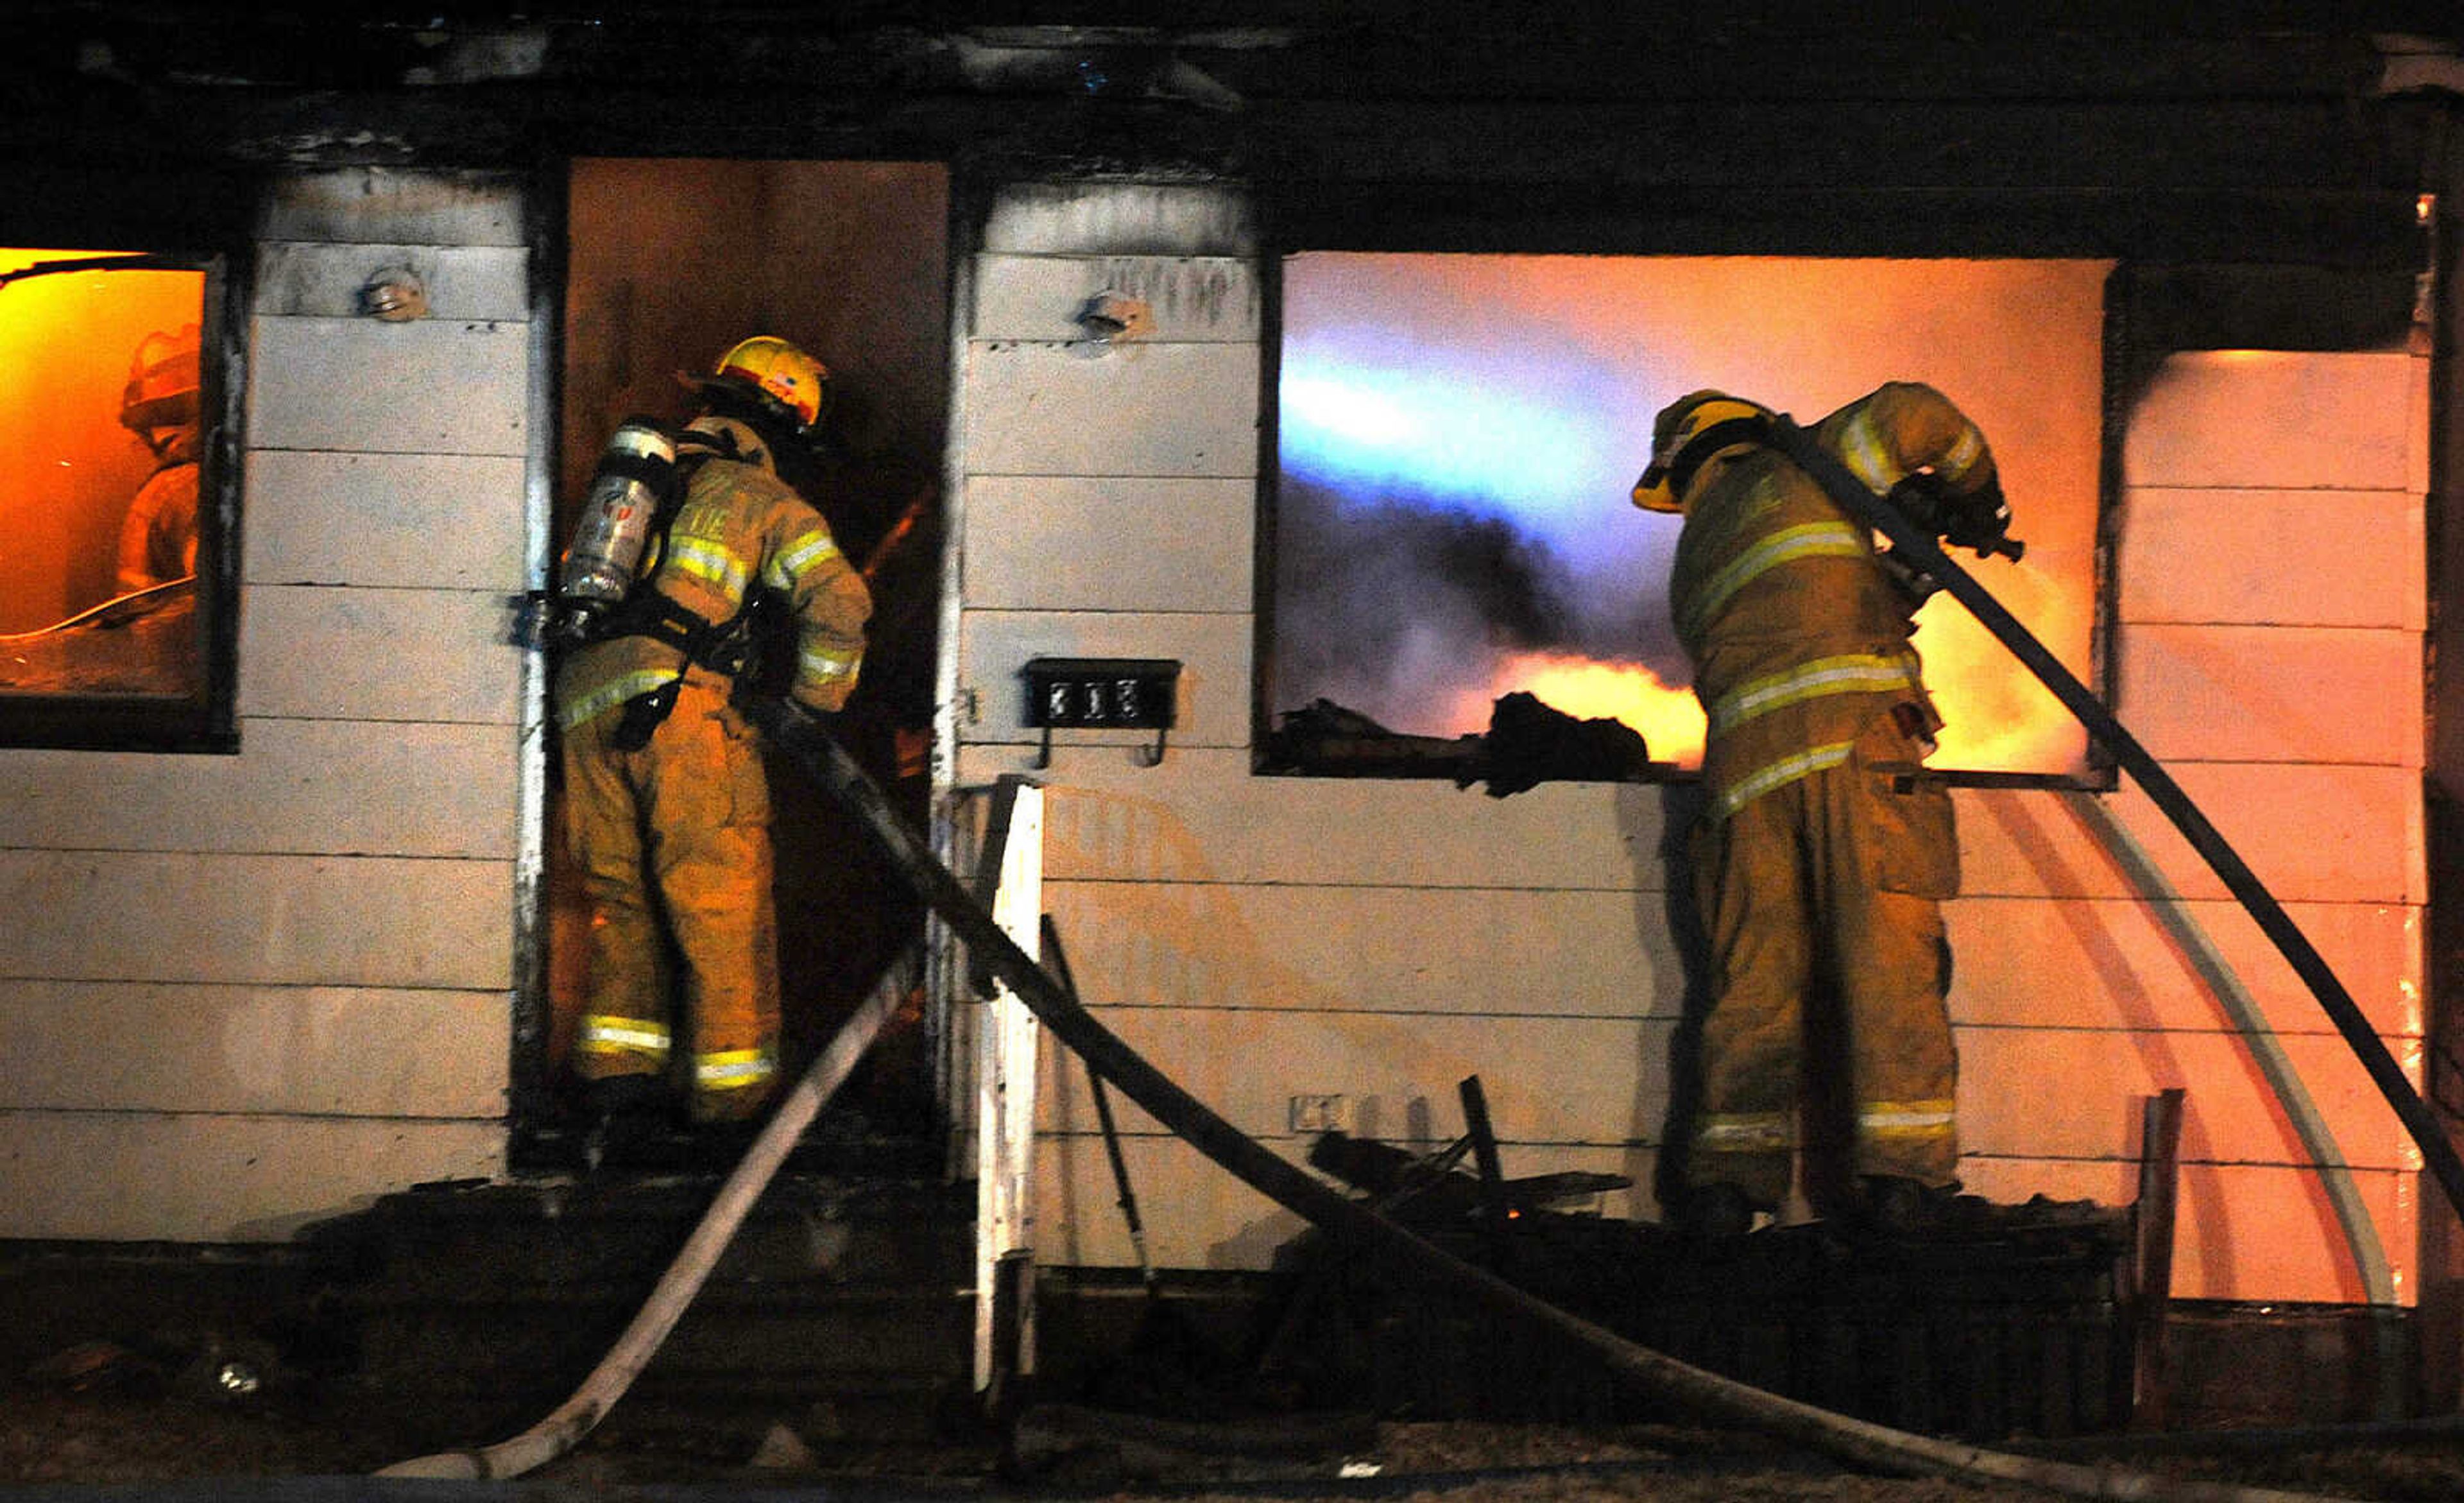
(1320, 1113)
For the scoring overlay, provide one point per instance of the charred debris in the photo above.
(1527, 743)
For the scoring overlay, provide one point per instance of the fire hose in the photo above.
(577, 1416)
(1919, 546)
(991, 950)
(1845, 1437)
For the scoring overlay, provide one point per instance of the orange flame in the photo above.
(2000, 719)
(1670, 719)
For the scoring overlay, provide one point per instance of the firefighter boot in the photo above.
(1715, 1212)
(621, 1116)
(1895, 1206)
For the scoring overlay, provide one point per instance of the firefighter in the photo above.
(1821, 858)
(668, 807)
(157, 536)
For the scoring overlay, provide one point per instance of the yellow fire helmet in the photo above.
(1687, 431)
(161, 391)
(793, 385)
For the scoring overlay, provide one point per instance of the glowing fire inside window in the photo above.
(99, 414)
(1459, 436)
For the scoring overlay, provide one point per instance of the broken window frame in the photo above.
(202, 717)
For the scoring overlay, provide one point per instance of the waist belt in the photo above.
(724, 647)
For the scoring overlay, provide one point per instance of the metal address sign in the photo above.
(1119, 693)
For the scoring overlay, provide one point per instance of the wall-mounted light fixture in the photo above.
(1111, 318)
(394, 294)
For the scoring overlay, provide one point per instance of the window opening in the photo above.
(109, 606)
(1456, 435)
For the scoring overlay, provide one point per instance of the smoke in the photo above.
(1408, 611)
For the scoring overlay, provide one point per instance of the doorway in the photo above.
(668, 262)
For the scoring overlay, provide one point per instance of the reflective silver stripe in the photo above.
(603, 1034)
(791, 562)
(1906, 1118)
(1743, 1132)
(1851, 673)
(1812, 540)
(710, 563)
(731, 1069)
(815, 667)
(1781, 773)
(611, 693)
(1863, 450)
(1963, 455)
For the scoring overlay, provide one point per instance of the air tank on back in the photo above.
(636, 473)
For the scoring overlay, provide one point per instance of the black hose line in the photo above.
(991, 950)
(1919, 546)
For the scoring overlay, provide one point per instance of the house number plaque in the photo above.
(1114, 694)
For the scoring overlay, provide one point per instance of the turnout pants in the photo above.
(1836, 880)
(674, 845)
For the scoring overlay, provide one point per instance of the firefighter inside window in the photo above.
(158, 538)
(100, 481)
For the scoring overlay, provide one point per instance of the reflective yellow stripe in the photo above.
(1863, 450)
(1743, 1132)
(1780, 774)
(611, 693)
(707, 561)
(1906, 1118)
(1850, 673)
(797, 557)
(732, 1069)
(601, 1034)
(1812, 540)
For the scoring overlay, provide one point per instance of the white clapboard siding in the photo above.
(1397, 950)
(2076, 1093)
(438, 521)
(2268, 653)
(2268, 694)
(2127, 964)
(114, 916)
(379, 654)
(2279, 420)
(1135, 543)
(142, 1177)
(300, 786)
(1140, 407)
(325, 1051)
(1248, 1067)
(392, 205)
(2195, 556)
(1162, 221)
(1202, 816)
(432, 387)
(2311, 832)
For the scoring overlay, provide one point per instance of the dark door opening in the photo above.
(668, 263)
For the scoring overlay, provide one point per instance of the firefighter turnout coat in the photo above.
(1821, 859)
(672, 838)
